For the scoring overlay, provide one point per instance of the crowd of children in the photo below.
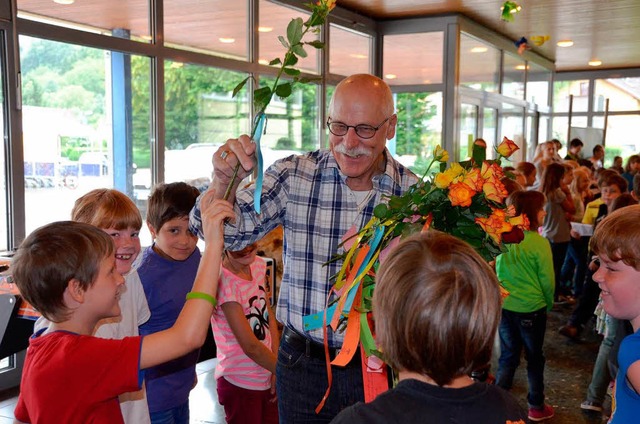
(104, 320)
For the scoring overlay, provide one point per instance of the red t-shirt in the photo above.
(69, 378)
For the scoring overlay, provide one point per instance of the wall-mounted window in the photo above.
(479, 64)
(419, 129)
(123, 19)
(538, 80)
(413, 59)
(274, 19)
(213, 27)
(623, 94)
(86, 116)
(350, 52)
(514, 70)
(200, 115)
(562, 90)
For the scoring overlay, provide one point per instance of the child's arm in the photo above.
(251, 346)
(633, 374)
(190, 329)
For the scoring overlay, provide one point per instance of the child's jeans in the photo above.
(246, 406)
(177, 415)
(523, 330)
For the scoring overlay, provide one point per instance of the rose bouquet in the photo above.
(465, 200)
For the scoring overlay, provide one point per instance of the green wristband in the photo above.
(203, 296)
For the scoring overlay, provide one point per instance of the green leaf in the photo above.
(283, 90)
(275, 61)
(238, 87)
(316, 43)
(299, 50)
(283, 42)
(261, 98)
(381, 211)
(290, 60)
(294, 31)
(291, 71)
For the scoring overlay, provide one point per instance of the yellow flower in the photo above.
(443, 179)
(507, 147)
(440, 154)
(453, 174)
(461, 194)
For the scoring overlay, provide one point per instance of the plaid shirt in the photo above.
(309, 197)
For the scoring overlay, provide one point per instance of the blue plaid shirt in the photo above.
(309, 197)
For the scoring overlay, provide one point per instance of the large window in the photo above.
(123, 19)
(190, 25)
(623, 94)
(419, 129)
(4, 216)
(563, 92)
(413, 59)
(479, 64)
(350, 52)
(86, 116)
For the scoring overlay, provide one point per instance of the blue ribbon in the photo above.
(261, 119)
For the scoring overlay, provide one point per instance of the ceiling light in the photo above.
(358, 56)
(595, 62)
(391, 76)
(521, 67)
(265, 29)
(479, 50)
(565, 43)
(64, 1)
(226, 40)
(263, 61)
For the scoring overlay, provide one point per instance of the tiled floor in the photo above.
(203, 402)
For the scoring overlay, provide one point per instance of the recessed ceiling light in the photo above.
(263, 61)
(565, 43)
(479, 50)
(391, 76)
(265, 29)
(226, 40)
(358, 56)
(521, 67)
(595, 62)
(64, 1)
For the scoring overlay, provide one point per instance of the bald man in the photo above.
(316, 197)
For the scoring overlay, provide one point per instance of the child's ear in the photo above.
(151, 230)
(75, 291)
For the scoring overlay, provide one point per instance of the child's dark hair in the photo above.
(527, 168)
(615, 180)
(529, 203)
(169, 201)
(53, 255)
(436, 307)
(552, 176)
(625, 199)
(107, 208)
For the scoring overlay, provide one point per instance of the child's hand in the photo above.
(214, 213)
(272, 391)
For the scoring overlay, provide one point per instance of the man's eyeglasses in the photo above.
(362, 130)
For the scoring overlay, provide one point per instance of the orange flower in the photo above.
(507, 147)
(521, 221)
(473, 179)
(491, 171)
(461, 194)
(494, 190)
(495, 224)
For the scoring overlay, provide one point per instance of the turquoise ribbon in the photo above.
(261, 120)
(315, 321)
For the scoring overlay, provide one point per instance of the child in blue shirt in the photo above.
(167, 271)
